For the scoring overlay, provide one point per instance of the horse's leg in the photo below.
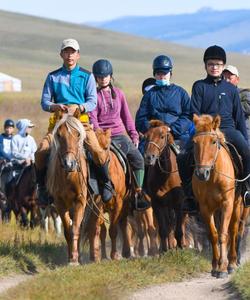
(170, 217)
(113, 229)
(64, 214)
(161, 219)
(94, 229)
(140, 232)
(77, 219)
(103, 235)
(226, 214)
(209, 220)
(242, 223)
(127, 249)
(24, 218)
(234, 229)
(152, 231)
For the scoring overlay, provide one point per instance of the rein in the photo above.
(161, 149)
(218, 145)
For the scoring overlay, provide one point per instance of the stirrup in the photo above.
(246, 199)
(141, 201)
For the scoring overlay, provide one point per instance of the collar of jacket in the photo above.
(212, 79)
(76, 68)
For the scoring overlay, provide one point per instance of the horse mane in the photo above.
(54, 173)
(207, 123)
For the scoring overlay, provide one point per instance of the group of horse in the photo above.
(164, 224)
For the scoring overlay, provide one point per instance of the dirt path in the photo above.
(205, 287)
(12, 281)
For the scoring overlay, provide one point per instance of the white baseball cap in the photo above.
(232, 69)
(70, 43)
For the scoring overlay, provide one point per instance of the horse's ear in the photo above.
(58, 115)
(195, 119)
(77, 113)
(170, 138)
(216, 122)
(156, 123)
(108, 133)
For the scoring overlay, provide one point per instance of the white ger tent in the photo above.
(9, 83)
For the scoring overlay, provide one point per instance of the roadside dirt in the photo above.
(205, 287)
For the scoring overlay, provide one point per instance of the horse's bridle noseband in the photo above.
(218, 145)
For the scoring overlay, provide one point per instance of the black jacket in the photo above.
(220, 97)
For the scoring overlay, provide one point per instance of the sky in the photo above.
(84, 11)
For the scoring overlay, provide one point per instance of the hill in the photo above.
(29, 49)
(228, 28)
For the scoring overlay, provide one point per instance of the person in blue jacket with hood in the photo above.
(23, 145)
(215, 96)
(5, 140)
(167, 102)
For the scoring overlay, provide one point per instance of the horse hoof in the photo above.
(73, 263)
(230, 270)
(214, 273)
(221, 275)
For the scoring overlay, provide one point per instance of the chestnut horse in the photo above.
(67, 177)
(117, 208)
(164, 186)
(213, 185)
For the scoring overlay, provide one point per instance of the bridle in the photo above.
(218, 145)
(161, 149)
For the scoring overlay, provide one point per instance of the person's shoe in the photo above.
(142, 200)
(246, 199)
(190, 206)
(107, 192)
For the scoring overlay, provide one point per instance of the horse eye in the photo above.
(214, 142)
(162, 137)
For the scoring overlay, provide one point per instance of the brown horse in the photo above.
(21, 193)
(117, 208)
(67, 177)
(213, 184)
(163, 185)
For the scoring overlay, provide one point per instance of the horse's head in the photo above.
(207, 142)
(69, 135)
(104, 138)
(158, 137)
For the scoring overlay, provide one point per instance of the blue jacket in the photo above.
(170, 104)
(219, 97)
(77, 86)
(5, 146)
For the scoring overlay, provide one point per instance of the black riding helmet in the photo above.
(162, 63)
(102, 68)
(215, 52)
(9, 123)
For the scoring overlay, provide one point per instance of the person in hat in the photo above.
(66, 89)
(23, 145)
(112, 112)
(215, 96)
(148, 84)
(167, 102)
(231, 74)
(5, 140)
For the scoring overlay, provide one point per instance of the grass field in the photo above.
(33, 252)
(29, 49)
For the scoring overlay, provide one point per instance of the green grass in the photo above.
(110, 280)
(241, 281)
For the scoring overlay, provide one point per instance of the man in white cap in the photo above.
(66, 89)
(231, 74)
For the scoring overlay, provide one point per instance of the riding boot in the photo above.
(246, 196)
(105, 183)
(142, 200)
(185, 161)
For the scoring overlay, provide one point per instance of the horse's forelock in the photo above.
(156, 123)
(204, 123)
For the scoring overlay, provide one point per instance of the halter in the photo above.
(165, 145)
(218, 145)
